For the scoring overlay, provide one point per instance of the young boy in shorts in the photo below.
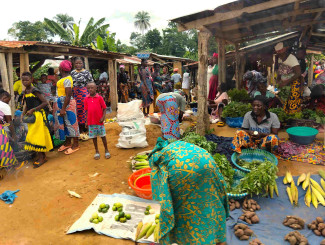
(96, 108)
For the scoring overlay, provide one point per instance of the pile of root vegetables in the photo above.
(296, 238)
(317, 226)
(294, 222)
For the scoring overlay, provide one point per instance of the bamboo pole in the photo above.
(203, 122)
(112, 84)
(310, 71)
(11, 80)
(86, 63)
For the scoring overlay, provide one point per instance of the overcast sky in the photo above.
(119, 14)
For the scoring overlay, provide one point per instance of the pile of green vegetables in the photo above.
(238, 95)
(198, 140)
(236, 109)
(317, 116)
(226, 169)
(284, 93)
(248, 165)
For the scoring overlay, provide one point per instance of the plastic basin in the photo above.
(234, 122)
(302, 135)
(142, 187)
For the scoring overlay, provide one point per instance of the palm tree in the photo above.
(65, 20)
(141, 22)
(73, 36)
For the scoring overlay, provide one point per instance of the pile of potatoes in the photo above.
(255, 242)
(251, 205)
(243, 232)
(296, 238)
(317, 226)
(294, 222)
(249, 217)
(233, 204)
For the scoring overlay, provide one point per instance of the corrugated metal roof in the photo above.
(132, 60)
(16, 44)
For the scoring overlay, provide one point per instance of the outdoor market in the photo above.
(223, 143)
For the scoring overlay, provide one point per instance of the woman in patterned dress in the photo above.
(81, 78)
(192, 194)
(289, 73)
(146, 86)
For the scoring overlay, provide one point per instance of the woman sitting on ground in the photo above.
(259, 129)
(219, 102)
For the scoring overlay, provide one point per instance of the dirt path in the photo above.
(43, 211)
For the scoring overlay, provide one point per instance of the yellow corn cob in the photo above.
(150, 231)
(293, 191)
(156, 233)
(276, 189)
(301, 178)
(314, 199)
(305, 184)
(322, 182)
(322, 173)
(296, 195)
(138, 229)
(319, 196)
(308, 197)
(271, 190)
(144, 230)
(285, 181)
(289, 194)
(318, 187)
(289, 177)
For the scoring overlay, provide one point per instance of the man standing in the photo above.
(176, 77)
(186, 85)
(123, 85)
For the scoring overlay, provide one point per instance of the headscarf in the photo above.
(122, 66)
(279, 48)
(215, 55)
(176, 70)
(66, 65)
(248, 76)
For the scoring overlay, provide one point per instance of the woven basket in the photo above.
(250, 155)
(237, 177)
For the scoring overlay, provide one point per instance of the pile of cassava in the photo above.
(317, 226)
(243, 232)
(296, 238)
(255, 242)
(233, 204)
(249, 217)
(294, 222)
(251, 205)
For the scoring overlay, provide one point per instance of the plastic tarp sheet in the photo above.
(270, 230)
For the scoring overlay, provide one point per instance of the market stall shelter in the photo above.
(22, 53)
(244, 20)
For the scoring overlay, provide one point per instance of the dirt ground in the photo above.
(43, 211)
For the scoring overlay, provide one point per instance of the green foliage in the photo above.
(282, 115)
(317, 116)
(42, 70)
(65, 20)
(198, 140)
(226, 169)
(284, 93)
(28, 31)
(238, 95)
(153, 40)
(105, 42)
(142, 21)
(236, 109)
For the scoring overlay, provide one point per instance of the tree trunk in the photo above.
(112, 84)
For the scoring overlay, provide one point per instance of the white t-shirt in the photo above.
(103, 75)
(186, 81)
(291, 61)
(5, 108)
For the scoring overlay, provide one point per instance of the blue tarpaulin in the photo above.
(270, 230)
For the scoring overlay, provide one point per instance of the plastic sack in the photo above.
(131, 119)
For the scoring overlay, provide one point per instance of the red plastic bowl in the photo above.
(143, 188)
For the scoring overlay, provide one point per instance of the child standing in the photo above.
(95, 107)
(38, 137)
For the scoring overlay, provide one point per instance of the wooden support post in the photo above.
(4, 72)
(86, 63)
(242, 69)
(11, 80)
(24, 65)
(222, 60)
(269, 76)
(310, 71)
(237, 72)
(203, 122)
(273, 68)
(132, 72)
(112, 83)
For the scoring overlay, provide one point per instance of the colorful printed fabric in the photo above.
(169, 117)
(294, 101)
(38, 137)
(7, 156)
(125, 93)
(66, 126)
(243, 140)
(45, 89)
(147, 97)
(96, 130)
(79, 94)
(103, 89)
(192, 194)
(81, 78)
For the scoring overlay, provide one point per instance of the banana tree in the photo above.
(108, 43)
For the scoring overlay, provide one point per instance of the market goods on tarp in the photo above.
(308, 197)
(305, 184)
(294, 193)
(322, 174)
(287, 178)
(150, 231)
(319, 196)
(296, 238)
(103, 208)
(138, 229)
(233, 204)
(156, 233)
(317, 187)
(249, 217)
(301, 178)
(294, 222)
(250, 205)
(200, 141)
(255, 242)
(243, 232)
(289, 195)
(317, 226)
(121, 217)
(144, 230)
(95, 218)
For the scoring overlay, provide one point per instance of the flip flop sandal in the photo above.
(21, 165)
(107, 155)
(97, 156)
(220, 124)
(38, 164)
(70, 150)
(63, 148)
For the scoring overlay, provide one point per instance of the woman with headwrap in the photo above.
(146, 86)
(259, 129)
(289, 73)
(81, 78)
(252, 78)
(123, 85)
(65, 111)
(157, 82)
(213, 82)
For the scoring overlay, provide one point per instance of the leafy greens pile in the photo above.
(236, 109)
(226, 169)
(238, 95)
(201, 141)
